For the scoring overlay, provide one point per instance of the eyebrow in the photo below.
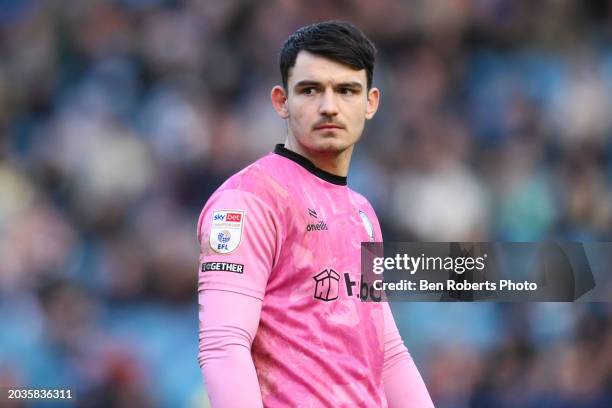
(350, 84)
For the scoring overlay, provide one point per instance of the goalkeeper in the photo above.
(281, 321)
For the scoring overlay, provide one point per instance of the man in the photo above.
(281, 321)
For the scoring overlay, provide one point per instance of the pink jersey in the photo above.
(289, 234)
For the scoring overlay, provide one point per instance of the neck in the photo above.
(334, 162)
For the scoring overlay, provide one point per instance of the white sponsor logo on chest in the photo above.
(367, 224)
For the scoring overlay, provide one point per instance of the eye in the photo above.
(347, 91)
(311, 90)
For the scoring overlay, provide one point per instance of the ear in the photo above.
(279, 101)
(373, 99)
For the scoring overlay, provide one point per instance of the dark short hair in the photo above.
(339, 41)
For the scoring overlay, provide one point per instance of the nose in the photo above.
(328, 103)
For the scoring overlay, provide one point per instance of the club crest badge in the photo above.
(226, 230)
(367, 224)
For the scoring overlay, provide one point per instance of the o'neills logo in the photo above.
(319, 226)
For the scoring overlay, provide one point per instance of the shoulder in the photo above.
(258, 188)
(361, 201)
(262, 179)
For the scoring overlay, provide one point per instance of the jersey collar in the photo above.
(281, 150)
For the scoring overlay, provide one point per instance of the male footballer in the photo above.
(281, 320)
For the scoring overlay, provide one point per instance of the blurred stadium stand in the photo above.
(119, 118)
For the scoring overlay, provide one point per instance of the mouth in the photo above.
(328, 126)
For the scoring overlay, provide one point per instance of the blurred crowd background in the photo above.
(119, 118)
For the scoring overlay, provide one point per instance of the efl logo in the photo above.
(226, 230)
(233, 217)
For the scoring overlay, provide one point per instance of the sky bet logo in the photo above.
(226, 230)
(229, 217)
(234, 217)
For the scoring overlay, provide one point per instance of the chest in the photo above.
(321, 254)
(326, 230)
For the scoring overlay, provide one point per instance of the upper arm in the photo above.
(238, 236)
